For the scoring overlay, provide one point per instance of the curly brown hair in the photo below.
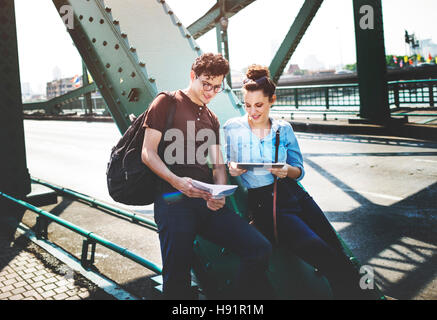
(258, 78)
(210, 64)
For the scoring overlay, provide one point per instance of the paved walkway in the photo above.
(29, 273)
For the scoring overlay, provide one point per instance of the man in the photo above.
(183, 211)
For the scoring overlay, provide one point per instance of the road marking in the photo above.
(424, 160)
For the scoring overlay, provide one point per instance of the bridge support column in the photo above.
(371, 63)
(14, 176)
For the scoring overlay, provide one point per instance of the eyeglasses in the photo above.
(208, 87)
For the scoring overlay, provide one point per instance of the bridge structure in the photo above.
(135, 49)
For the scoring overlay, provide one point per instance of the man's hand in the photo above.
(184, 185)
(216, 204)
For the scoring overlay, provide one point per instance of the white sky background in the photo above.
(254, 33)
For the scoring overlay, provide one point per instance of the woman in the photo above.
(300, 223)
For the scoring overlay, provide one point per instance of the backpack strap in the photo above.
(170, 117)
(168, 124)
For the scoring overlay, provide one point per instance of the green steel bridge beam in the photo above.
(293, 37)
(114, 65)
(209, 20)
(54, 106)
(88, 103)
(14, 176)
(371, 62)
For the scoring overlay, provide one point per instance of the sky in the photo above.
(256, 32)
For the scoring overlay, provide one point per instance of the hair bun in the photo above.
(256, 71)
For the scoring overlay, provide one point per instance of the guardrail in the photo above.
(91, 239)
(347, 98)
(98, 203)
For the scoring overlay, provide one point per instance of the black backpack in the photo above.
(129, 180)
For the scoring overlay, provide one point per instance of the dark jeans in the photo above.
(180, 220)
(304, 229)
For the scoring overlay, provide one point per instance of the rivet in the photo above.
(105, 43)
(188, 35)
(116, 46)
(170, 12)
(80, 17)
(102, 21)
(120, 69)
(132, 49)
(179, 23)
(91, 19)
(108, 65)
(197, 48)
(142, 64)
(123, 35)
(116, 22)
(107, 9)
(151, 80)
(94, 40)
(133, 74)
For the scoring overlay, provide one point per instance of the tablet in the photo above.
(259, 165)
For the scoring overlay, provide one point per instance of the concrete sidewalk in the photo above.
(27, 272)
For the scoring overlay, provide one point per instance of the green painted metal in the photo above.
(88, 104)
(97, 203)
(113, 63)
(14, 176)
(89, 235)
(293, 37)
(54, 106)
(371, 61)
(208, 21)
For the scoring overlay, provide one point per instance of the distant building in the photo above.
(293, 68)
(59, 87)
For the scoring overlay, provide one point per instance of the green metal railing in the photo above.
(347, 98)
(91, 239)
(413, 92)
(98, 203)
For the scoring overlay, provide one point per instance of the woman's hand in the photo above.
(184, 185)
(234, 171)
(215, 204)
(280, 172)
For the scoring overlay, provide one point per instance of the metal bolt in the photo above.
(123, 35)
(116, 22)
(91, 19)
(107, 9)
(151, 80)
(102, 21)
(120, 69)
(108, 65)
(105, 43)
(133, 74)
(132, 49)
(142, 64)
(116, 46)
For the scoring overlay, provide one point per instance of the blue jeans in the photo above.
(180, 220)
(304, 229)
